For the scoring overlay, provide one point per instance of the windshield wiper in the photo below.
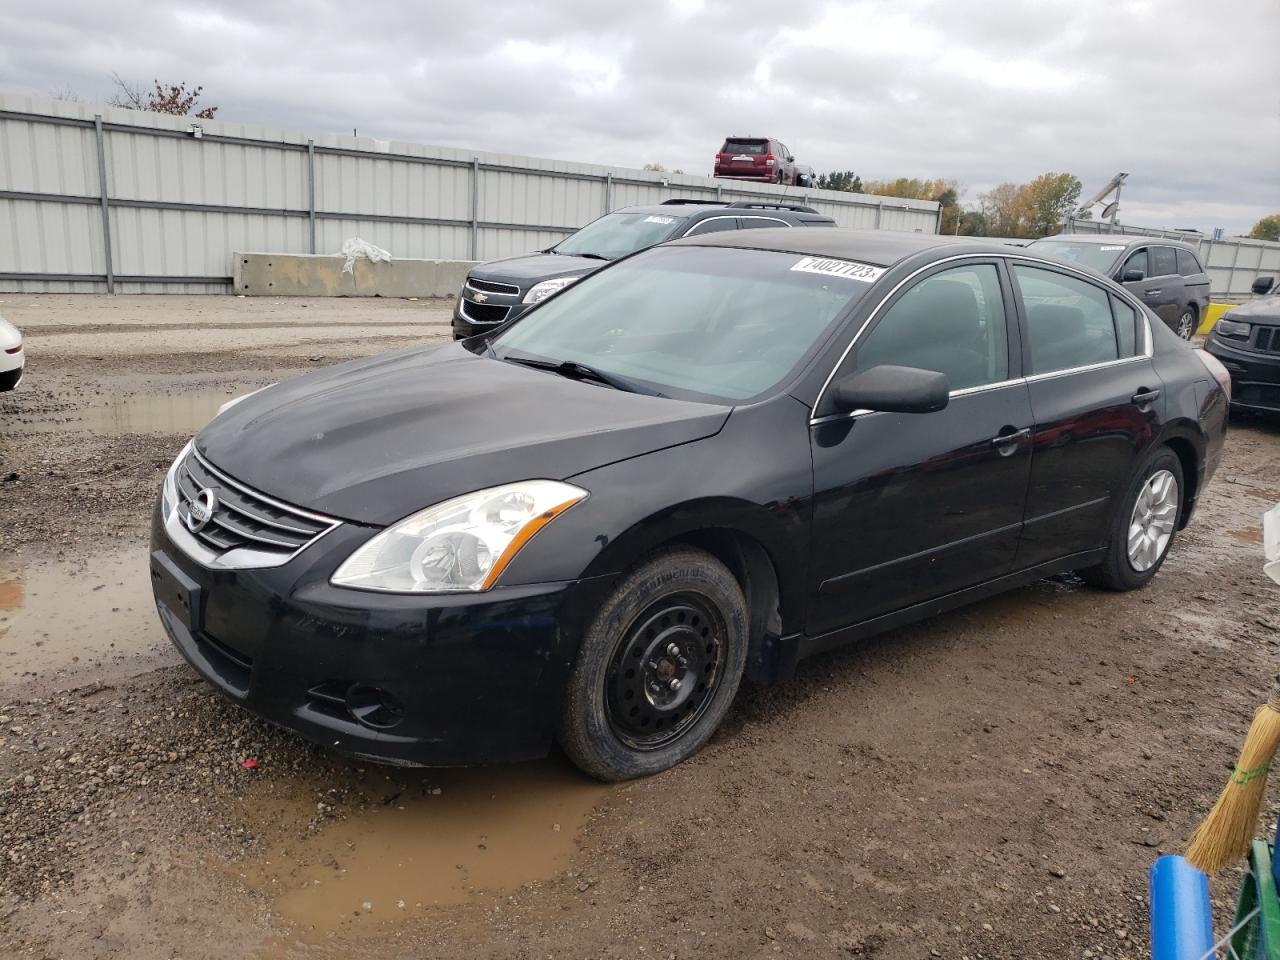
(581, 371)
(589, 256)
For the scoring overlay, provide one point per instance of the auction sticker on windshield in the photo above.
(839, 268)
(659, 220)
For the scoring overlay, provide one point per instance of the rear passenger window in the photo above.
(1126, 327)
(1137, 261)
(713, 225)
(748, 223)
(951, 322)
(1188, 265)
(1069, 322)
(1163, 262)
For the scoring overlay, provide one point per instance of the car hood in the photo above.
(530, 269)
(1263, 310)
(375, 440)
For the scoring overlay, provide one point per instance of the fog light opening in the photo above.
(374, 707)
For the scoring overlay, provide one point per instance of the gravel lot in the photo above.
(993, 783)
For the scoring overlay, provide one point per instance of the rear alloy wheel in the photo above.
(1142, 527)
(1186, 326)
(658, 668)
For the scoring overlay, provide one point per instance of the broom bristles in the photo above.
(1227, 832)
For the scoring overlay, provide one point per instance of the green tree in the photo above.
(1268, 228)
(844, 180)
(1051, 198)
(1006, 210)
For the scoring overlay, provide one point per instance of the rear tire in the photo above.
(1186, 325)
(1143, 526)
(658, 667)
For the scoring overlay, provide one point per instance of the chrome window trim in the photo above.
(1148, 341)
(492, 293)
(462, 311)
(962, 392)
(733, 216)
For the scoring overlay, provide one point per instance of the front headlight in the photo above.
(169, 494)
(459, 545)
(540, 291)
(1232, 328)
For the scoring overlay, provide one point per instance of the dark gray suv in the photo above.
(1166, 275)
(501, 290)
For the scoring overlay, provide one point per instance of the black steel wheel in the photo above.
(658, 668)
(664, 673)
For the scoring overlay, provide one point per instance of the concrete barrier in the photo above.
(319, 275)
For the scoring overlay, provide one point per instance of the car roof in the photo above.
(881, 248)
(1119, 240)
(674, 208)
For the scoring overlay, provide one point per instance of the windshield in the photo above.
(618, 234)
(1096, 256)
(698, 322)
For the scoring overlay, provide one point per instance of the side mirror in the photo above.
(1263, 285)
(891, 389)
(1133, 275)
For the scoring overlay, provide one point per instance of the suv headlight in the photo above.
(540, 291)
(1233, 329)
(169, 493)
(459, 545)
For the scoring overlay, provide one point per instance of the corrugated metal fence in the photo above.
(95, 198)
(1233, 264)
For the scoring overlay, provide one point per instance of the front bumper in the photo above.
(1255, 376)
(465, 678)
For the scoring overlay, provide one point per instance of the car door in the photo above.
(1096, 400)
(1195, 280)
(1163, 291)
(908, 507)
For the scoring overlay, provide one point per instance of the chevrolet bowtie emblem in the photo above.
(481, 297)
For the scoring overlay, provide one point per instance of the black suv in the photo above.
(1166, 275)
(501, 290)
(1247, 341)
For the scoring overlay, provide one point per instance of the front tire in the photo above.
(1143, 526)
(658, 667)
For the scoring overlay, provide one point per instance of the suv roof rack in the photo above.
(682, 200)
(761, 205)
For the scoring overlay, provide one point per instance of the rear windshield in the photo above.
(700, 323)
(746, 146)
(618, 234)
(1096, 256)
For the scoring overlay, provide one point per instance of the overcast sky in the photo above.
(1184, 95)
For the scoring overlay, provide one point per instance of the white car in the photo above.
(11, 356)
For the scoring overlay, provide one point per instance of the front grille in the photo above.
(241, 517)
(489, 286)
(484, 312)
(1267, 339)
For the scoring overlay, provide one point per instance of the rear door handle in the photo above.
(1153, 293)
(1145, 396)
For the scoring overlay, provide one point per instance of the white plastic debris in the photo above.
(354, 247)
(1271, 542)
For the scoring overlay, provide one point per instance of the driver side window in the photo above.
(952, 322)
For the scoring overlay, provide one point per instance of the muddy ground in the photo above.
(994, 783)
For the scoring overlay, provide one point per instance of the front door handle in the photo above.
(1144, 396)
(1153, 293)
(1005, 442)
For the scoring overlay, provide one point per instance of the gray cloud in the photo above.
(1181, 94)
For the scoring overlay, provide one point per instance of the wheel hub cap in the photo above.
(665, 670)
(1152, 521)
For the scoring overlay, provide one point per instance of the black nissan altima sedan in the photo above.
(701, 463)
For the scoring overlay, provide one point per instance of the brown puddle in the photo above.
(1248, 535)
(183, 413)
(434, 838)
(74, 616)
